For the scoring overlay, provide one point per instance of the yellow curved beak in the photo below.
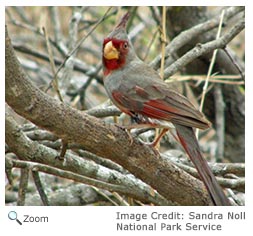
(110, 52)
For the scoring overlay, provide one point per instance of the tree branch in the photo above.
(202, 49)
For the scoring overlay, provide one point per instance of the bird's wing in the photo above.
(157, 101)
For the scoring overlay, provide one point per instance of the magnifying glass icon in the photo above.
(13, 216)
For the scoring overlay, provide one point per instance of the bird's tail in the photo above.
(189, 142)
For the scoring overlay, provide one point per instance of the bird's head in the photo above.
(117, 48)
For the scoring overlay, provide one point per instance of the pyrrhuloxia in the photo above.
(137, 90)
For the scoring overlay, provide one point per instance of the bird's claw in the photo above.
(127, 130)
(64, 148)
(59, 158)
(152, 146)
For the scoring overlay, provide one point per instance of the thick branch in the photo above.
(73, 167)
(103, 139)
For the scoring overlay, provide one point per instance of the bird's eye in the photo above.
(125, 45)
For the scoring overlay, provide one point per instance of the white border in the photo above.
(95, 220)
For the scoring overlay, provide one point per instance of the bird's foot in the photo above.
(152, 146)
(154, 149)
(63, 151)
(156, 142)
(127, 130)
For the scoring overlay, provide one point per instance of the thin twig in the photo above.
(51, 59)
(149, 45)
(100, 112)
(67, 72)
(237, 200)
(210, 69)
(23, 186)
(78, 66)
(120, 199)
(163, 36)
(238, 184)
(54, 13)
(38, 31)
(21, 12)
(25, 165)
(219, 121)
(101, 161)
(40, 188)
(211, 64)
(82, 40)
(220, 79)
(219, 169)
(98, 191)
(163, 39)
(235, 64)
